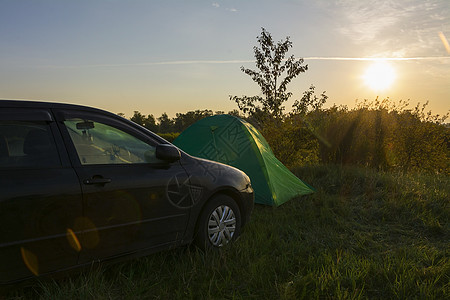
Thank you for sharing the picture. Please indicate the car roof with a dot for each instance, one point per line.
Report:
(59, 105)
(48, 105)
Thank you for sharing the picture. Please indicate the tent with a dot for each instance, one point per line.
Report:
(235, 142)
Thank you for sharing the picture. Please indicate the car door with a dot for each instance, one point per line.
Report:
(40, 196)
(126, 207)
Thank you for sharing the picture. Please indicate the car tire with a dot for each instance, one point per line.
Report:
(219, 223)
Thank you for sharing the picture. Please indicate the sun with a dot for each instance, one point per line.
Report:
(379, 76)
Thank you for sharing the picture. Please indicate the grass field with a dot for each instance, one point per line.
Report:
(363, 234)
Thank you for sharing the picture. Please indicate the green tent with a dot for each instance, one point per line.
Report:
(235, 142)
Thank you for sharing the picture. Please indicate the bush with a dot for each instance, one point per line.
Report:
(381, 135)
(170, 137)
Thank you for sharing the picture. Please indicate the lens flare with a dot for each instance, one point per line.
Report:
(30, 260)
(89, 237)
(73, 240)
(444, 41)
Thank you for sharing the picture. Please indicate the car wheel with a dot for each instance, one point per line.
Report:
(219, 223)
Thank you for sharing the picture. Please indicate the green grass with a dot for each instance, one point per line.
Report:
(363, 234)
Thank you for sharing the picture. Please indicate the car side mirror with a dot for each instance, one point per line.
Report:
(167, 152)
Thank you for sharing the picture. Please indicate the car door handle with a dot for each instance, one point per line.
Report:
(97, 180)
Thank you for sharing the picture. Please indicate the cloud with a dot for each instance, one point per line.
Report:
(440, 58)
(221, 62)
(145, 64)
(217, 5)
(400, 28)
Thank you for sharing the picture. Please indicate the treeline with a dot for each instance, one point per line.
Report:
(165, 125)
(380, 134)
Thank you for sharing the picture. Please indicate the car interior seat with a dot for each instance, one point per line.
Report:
(39, 149)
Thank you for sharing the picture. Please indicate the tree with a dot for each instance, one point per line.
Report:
(235, 113)
(138, 118)
(165, 123)
(309, 102)
(274, 74)
(148, 121)
(183, 121)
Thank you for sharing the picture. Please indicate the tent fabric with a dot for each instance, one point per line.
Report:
(235, 142)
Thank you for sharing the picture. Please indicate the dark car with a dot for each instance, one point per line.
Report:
(81, 185)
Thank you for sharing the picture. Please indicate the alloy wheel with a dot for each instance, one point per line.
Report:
(221, 225)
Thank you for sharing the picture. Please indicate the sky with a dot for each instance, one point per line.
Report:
(177, 56)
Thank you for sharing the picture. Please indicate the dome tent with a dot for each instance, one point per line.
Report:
(235, 142)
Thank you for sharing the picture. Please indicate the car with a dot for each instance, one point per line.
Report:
(80, 185)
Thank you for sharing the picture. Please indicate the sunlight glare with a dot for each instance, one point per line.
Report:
(379, 76)
(30, 260)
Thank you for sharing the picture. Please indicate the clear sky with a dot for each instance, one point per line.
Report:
(175, 56)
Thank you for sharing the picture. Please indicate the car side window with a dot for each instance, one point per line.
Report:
(27, 144)
(100, 143)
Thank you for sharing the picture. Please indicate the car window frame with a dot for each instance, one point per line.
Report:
(114, 121)
(38, 115)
